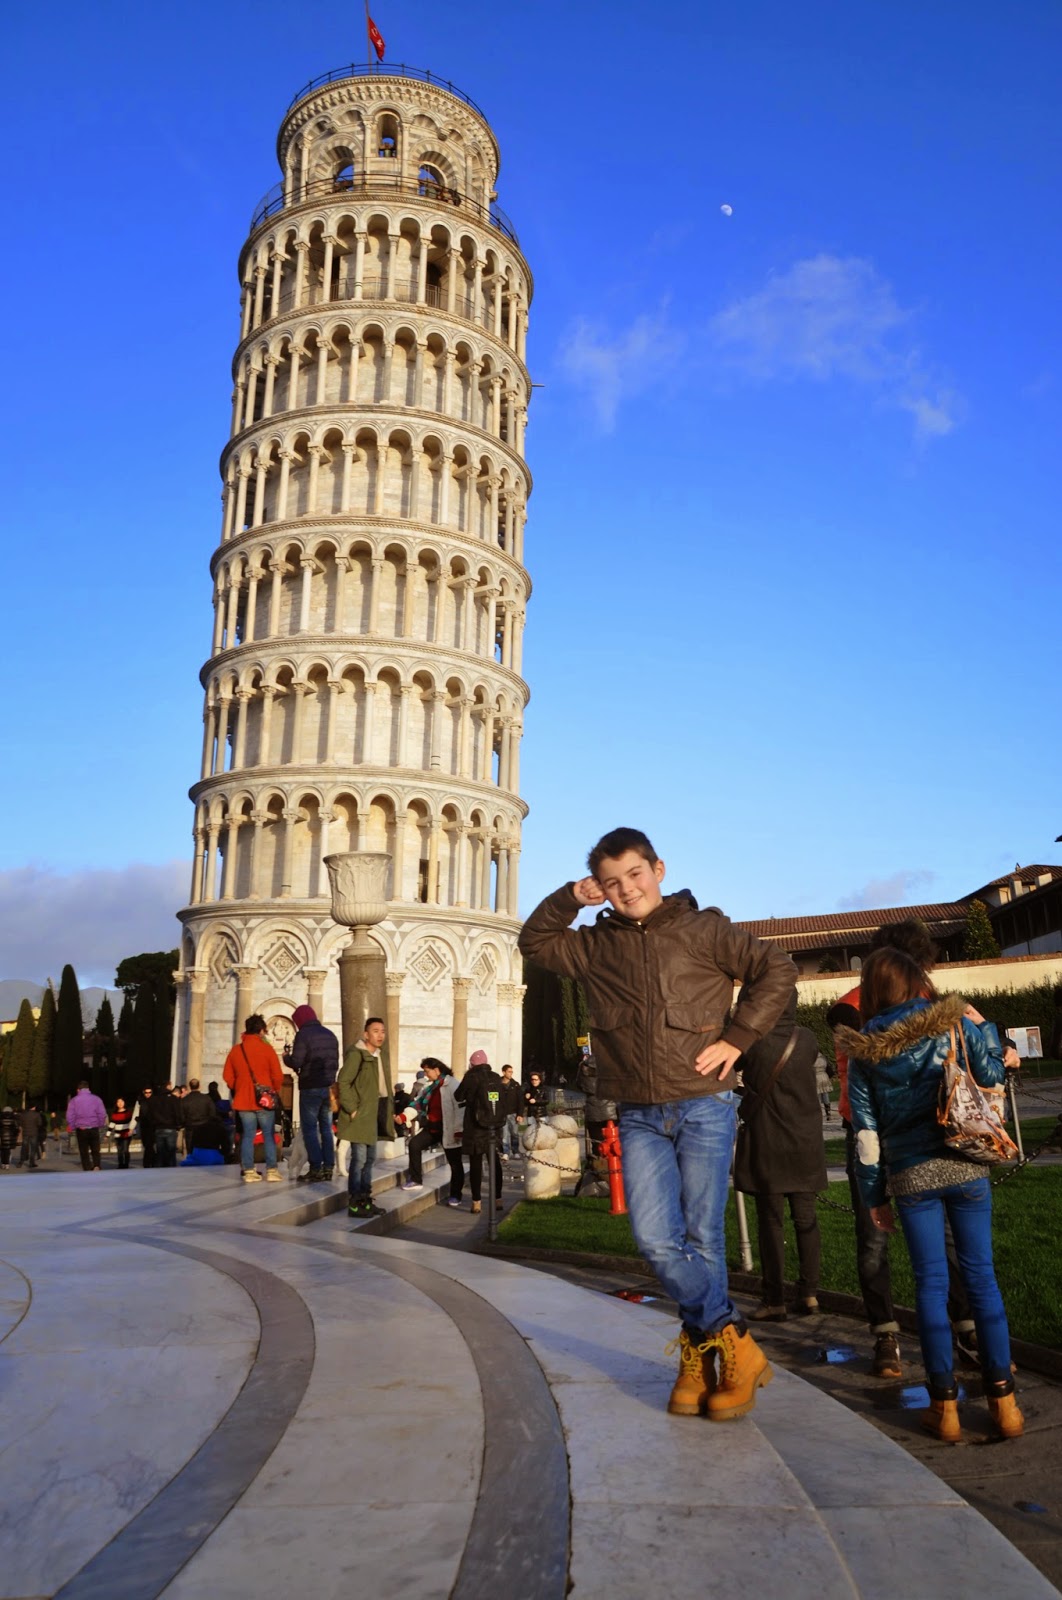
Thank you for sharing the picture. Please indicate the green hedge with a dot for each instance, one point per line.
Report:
(1031, 1007)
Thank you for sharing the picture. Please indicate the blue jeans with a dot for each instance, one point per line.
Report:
(315, 1114)
(166, 1146)
(968, 1207)
(249, 1121)
(359, 1178)
(676, 1172)
(511, 1136)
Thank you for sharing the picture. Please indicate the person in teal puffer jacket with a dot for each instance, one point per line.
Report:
(896, 1066)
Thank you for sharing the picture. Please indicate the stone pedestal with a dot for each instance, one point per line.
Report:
(358, 880)
(362, 990)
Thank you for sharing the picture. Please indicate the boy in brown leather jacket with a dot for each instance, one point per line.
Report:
(659, 977)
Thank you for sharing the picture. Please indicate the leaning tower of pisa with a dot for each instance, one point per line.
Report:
(363, 689)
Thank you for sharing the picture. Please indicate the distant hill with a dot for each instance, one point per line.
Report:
(12, 993)
(14, 990)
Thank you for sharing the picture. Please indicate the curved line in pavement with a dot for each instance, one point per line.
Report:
(151, 1549)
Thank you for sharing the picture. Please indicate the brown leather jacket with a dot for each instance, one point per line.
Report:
(661, 991)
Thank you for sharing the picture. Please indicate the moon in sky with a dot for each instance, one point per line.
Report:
(728, 211)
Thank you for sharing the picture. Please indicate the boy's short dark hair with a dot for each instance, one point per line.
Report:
(255, 1023)
(617, 843)
(911, 936)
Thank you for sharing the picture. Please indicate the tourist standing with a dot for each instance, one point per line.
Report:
(120, 1128)
(535, 1099)
(482, 1114)
(85, 1116)
(780, 1159)
(358, 1086)
(430, 1135)
(33, 1129)
(895, 1070)
(659, 976)
(453, 1117)
(166, 1121)
(9, 1131)
(314, 1059)
(223, 1113)
(250, 1067)
(197, 1117)
(512, 1104)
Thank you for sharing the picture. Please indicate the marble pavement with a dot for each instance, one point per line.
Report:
(203, 1391)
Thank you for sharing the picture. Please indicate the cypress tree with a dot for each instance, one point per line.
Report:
(142, 1042)
(68, 1065)
(40, 1072)
(128, 1087)
(979, 943)
(19, 1054)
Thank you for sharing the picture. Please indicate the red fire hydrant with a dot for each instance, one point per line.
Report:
(610, 1149)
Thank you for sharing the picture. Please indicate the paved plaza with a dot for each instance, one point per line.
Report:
(205, 1393)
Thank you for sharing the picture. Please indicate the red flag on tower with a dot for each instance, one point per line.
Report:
(376, 38)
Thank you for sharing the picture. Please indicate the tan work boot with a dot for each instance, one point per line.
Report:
(1003, 1409)
(942, 1420)
(695, 1376)
(743, 1368)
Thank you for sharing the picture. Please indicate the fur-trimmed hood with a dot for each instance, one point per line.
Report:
(926, 1022)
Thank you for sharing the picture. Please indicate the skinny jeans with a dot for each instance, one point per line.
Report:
(968, 1208)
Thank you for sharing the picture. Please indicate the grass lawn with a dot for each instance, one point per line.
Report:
(1028, 1209)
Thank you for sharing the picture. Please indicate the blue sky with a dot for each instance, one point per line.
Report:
(795, 523)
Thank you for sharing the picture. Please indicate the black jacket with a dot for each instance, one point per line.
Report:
(196, 1109)
(512, 1098)
(164, 1111)
(314, 1057)
(779, 1144)
(473, 1092)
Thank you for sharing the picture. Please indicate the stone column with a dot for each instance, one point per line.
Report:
(228, 879)
(459, 1030)
(393, 982)
(258, 819)
(197, 977)
(315, 982)
(265, 730)
(239, 757)
(252, 605)
(245, 976)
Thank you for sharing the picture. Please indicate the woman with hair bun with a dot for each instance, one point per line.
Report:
(895, 1070)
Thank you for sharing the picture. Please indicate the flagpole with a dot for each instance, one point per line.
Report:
(368, 34)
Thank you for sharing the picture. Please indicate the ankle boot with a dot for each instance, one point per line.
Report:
(942, 1418)
(743, 1368)
(695, 1374)
(1003, 1409)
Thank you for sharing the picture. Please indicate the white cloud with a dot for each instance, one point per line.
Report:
(90, 919)
(899, 889)
(832, 317)
(611, 368)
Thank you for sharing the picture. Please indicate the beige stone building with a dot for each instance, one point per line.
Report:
(364, 688)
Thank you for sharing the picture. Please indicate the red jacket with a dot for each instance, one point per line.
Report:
(251, 1061)
(844, 1108)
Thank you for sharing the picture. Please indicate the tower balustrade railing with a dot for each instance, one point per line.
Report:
(378, 288)
(283, 197)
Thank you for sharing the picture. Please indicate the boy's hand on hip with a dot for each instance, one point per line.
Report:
(588, 892)
(718, 1057)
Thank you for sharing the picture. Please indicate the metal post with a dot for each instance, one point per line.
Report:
(492, 1220)
(743, 1232)
(1014, 1114)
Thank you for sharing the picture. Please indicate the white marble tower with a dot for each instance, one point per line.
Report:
(363, 689)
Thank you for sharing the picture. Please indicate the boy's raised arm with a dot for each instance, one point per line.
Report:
(548, 937)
